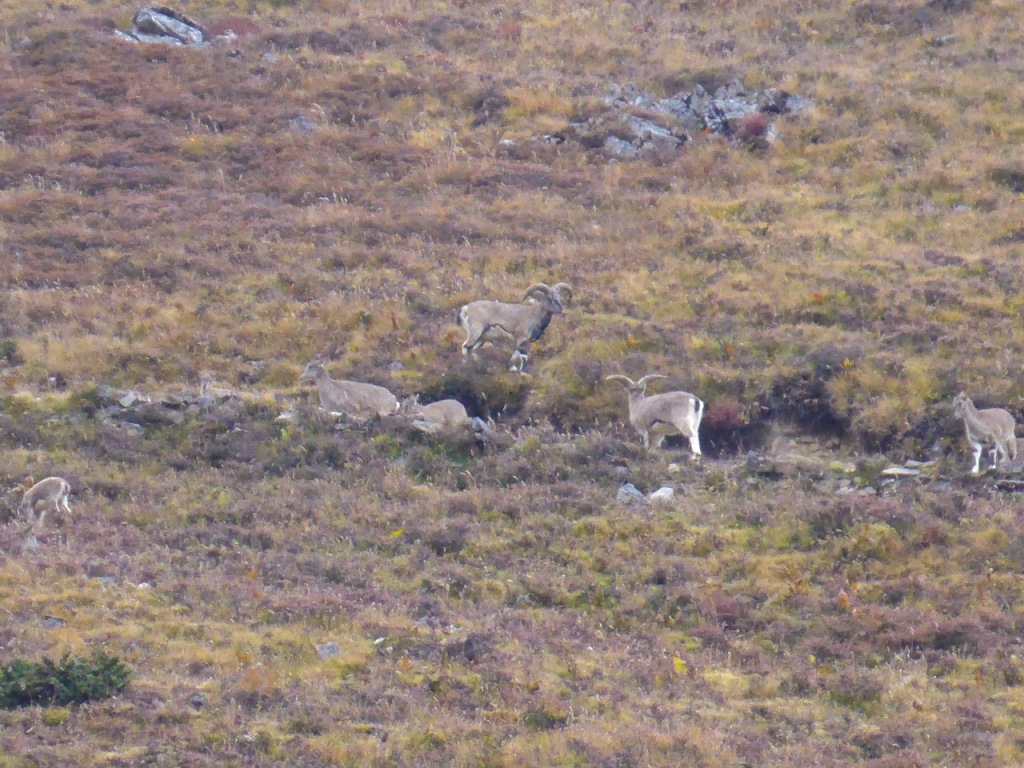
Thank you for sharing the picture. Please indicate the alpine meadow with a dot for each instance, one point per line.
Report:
(221, 221)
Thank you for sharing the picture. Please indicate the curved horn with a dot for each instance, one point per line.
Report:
(648, 377)
(623, 378)
(542, 287)
(562, 288)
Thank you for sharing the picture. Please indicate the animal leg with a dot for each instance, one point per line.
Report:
(695, 445)
(65, 505)
(1003, 453)
(977, 458)
(517, 363)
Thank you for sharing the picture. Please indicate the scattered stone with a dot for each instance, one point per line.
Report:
(842, 467)
(302, 124)
(663, 495)
(430, 622)
(149, 414)
(107, 581)
(53, 622)
(328, 650)
(133, 429)
(630, 496)
(900, 472)
(621, 148)
(107, 395)
(469, 650)
(130, 398)
(785, 465)
(173, 401)
(197, 700)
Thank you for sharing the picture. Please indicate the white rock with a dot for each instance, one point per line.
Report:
(663, 494)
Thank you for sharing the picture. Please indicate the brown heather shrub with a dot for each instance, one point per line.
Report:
(753, 127)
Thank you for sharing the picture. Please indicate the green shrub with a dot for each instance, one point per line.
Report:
(72, 681)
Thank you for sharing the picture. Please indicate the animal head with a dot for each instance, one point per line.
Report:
(961, 404)
(407, 406)
(313, 369)
(552, 297)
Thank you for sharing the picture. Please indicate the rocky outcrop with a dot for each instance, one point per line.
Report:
(643, 126)
(160, 24)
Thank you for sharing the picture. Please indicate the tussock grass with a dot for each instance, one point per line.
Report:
(162, 213)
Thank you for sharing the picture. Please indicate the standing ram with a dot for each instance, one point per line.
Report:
(524, 323)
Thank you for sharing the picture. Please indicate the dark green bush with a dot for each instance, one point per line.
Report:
(71, 681)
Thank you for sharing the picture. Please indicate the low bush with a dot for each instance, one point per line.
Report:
(70, 681)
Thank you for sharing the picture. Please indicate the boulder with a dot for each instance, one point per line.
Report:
(160, 24)
(630, 496)
(663, 495)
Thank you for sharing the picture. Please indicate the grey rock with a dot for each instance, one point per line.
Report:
(162, 25)
(900, 472)
(654, 138)
(206, 401)
(302, 124)
(132, 429)
(697, 109)
(107, 395)
(162, 22)
(795, 104)
(155, 414)
(621, 147)
(53, 622)
(197, 700)
(663, 495)
(630, 496)
(328, 650)
(129, 399)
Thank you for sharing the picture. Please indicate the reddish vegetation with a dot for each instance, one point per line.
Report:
(338, 180)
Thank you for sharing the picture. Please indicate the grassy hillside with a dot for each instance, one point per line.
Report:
(338, 180)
